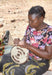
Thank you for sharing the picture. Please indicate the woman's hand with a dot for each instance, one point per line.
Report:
(22, 43)
(16, 41)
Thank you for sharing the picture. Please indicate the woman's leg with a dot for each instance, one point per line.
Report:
(28, 68)
(44, 65)
(14, 69)
(6, 58)
(37, 68)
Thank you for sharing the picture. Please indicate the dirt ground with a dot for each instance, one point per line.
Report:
(14, 15)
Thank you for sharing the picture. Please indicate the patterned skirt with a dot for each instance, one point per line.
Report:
(31, 67)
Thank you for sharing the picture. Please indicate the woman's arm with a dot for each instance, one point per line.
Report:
(47, 53)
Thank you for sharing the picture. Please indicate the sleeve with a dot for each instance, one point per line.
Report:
(49, 39)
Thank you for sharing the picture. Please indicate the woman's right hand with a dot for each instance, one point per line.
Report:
(16, 41)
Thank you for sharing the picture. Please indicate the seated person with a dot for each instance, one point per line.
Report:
(38, 40)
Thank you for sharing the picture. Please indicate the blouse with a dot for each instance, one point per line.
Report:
(38, 39)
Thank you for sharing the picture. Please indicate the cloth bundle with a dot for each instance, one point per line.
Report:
(3, 42)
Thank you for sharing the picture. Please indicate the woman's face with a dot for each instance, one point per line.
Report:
(34, 20)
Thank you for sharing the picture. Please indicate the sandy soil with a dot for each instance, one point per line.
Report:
(14, 15)
(17, 12)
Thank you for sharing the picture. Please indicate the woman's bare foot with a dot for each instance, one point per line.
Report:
(50, 68)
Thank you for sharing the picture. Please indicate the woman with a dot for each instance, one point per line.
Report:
(38, 40)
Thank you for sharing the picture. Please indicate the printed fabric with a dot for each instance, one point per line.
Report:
(38, 39)
(1, 47)
(4, 42)
(29, 68)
